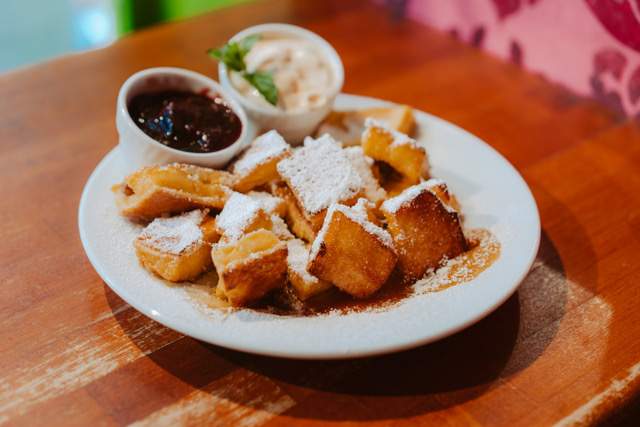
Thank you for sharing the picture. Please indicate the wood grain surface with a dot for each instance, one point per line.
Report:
(564, 349)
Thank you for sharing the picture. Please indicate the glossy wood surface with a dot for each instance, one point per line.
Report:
(564, 349)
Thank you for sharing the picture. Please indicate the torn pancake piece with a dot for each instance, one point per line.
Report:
(305, 284)
(347, 126)
(425, 227)
(256, 166)
(241, 214)
(250, 267)
(297, 222)
(396, 149)
(155, 191)
(352, 252)
(272, 204)
(177, 248)
(319, 174)
(364, 167)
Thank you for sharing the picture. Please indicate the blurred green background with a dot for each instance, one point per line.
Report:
(35, 30)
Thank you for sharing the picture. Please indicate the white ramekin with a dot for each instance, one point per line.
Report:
(292, 126)
(138, 149)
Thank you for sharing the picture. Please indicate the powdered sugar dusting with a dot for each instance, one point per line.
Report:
(269, 202)
(399, 138)
(322, 139)
(393, 204)
(250, 257)
(362, 164)
(356, 214)
(320, 236)
(432, 183)
(465, 267)
(280, 228)
(438, 188)
(237, 214)
(320, 174)
(363, 206)
(264, 148)
(297, 260)
(176, 234)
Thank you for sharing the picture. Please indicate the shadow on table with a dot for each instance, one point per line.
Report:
(431, 377)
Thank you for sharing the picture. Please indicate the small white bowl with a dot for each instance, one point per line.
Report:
(293, 126)
(139, 149)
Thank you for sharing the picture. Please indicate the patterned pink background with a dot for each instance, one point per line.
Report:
(590, 46)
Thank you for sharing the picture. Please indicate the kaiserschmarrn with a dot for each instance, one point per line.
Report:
(160, 190)
(303, 223)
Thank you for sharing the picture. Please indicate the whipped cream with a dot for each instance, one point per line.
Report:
(301, 72)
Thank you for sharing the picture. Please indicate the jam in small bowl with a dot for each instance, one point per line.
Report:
(174, 115)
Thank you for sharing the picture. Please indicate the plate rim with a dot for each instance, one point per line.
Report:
(381, 348)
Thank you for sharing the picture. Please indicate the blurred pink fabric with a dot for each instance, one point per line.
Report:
(590, 46)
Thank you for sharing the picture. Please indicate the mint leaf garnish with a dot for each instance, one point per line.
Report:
(247, 43)
(232, 55)
(263, 82)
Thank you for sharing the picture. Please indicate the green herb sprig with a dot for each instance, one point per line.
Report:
(232, 55)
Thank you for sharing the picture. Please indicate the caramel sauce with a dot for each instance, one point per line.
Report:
(484, 250)
(286, 303)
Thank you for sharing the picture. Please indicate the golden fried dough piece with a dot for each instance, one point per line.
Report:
(425, 228)
(364, 167)
(272, 204)
(439, 188)
(369, 210)
(347, 126)
(319, 174)
(241, 214)
(280, 228)
(296, 220)
(250, 267)
(256, 166)
(394, 148)
(245, 213)
(351, 252)
(393, 186)
(209, 230)
(391, 181)
(159, 190)
(305, 284)
(177, 248)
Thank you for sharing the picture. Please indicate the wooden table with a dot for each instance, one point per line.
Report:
(564, 349)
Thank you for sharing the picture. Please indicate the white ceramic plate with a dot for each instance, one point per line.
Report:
(492, 194)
